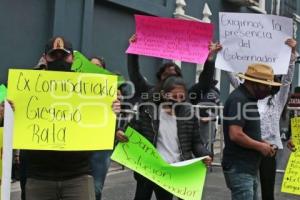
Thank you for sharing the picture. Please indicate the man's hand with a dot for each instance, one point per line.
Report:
(291, 43)
(208, 161)
(11, 104)
(291, 146)
(266, 149)
(2, 108)
(213, 48)
(116, 106)
(132, 39)
(17, 159)
(121, 137)
(1, 111)
(205, 119)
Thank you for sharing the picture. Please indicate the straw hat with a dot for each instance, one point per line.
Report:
(260, 73)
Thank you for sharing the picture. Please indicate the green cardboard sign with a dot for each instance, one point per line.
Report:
(82, 64)
(185, 180)
(3, 92)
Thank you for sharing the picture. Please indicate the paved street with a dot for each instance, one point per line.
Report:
(121, 185)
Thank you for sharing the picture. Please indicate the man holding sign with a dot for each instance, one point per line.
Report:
(244, 146)
(270, 111)
(60, 174)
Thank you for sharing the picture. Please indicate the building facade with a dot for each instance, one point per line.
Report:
(103, 27)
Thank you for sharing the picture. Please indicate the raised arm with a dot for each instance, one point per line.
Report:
(133, 67)
(206, 77)
(282, 96)
(204, 81)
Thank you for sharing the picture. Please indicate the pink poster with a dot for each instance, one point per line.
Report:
(174, 39)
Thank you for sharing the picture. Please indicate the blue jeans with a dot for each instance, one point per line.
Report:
(243, 186)
(100, 161)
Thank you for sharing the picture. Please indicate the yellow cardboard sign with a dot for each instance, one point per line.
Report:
(295, 125)
(62, 110)
(291, 179)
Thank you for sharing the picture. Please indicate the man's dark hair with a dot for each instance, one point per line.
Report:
(166, 66)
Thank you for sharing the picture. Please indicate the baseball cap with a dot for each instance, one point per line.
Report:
(58, 44)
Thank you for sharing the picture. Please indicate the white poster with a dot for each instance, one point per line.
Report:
(7, 151)
(254, 38)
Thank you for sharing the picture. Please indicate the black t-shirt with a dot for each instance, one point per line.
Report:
(241, 109)
(56, 165)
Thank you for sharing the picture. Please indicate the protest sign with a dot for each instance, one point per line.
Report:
(171, 38)
(295, 125)
(185, 179)
(7, 151)
(62, 110)
(291, 179)
(254, 38)
(82, 64)
(3, 92)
